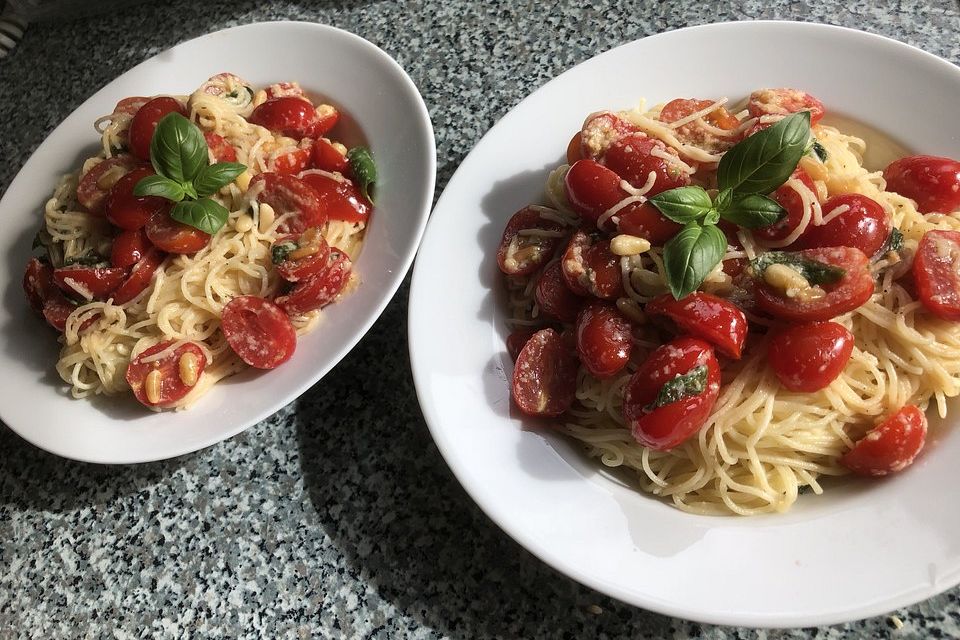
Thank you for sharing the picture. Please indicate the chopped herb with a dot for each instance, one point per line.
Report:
(280, 251)
(814, 271)
(689, 384)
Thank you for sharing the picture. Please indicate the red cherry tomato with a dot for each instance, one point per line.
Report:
(851, 291)
(590, 268)
(100, 282)
(290, 195)
(130, 105)
(283, 89)
(930, 181)
(604, 340)
(646, 221)
(864, 225)
(128, 211)
(172, 386)
(516, 341)
(290, 115)
(554, 296)
(696, 134)
(128, 248)
(258, 331)
(889, 447)
(222, 150)
(520, 253)
(95, 184)
(592, 189)
(631, 157)
(291, 162)
(936, 274)
(545, 376)
(600, 130)
(145, 123)
(706, 316)
(315, 253)
(38, 283)
(327, 119)
(574, 148)
(663, 428)
(339, 197)
(808, 357)
(172, 236)
(326, 157)
(790, 200)
(140, 276)
(784, 102)
(319, 289)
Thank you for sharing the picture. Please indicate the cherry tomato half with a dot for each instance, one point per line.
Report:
(864, 225)
(293, 161)
(789, 199)
(145, 123)
(326, 157)
(891, 446)
(99, 282)
(808, 357)
(631, 157)
(327, 119)
(592, 189)
(590, 268)
(545, 375)
(600, 130)
(516, 341)
(523, 249)
(38, 283)
(645, 221)
(321, 288)
(173, 236)
(339, 197)
(218, 146)
(128, 248)
(706, 316)
(96, 183)
(171, 385)
(554, 297)
(930, 181)
(574, 148)
(663, 428)
(140, 276)
(696, 134)
(784, 102)
(308, 257)
(289, 194)
(936, 273)
(604, 340)
(291, 116)
(258, 331)
(128, 211)
(130, 105)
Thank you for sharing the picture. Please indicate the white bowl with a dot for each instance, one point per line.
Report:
(375, 95)
(863, 548)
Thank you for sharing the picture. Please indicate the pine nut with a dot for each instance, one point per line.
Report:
(627, 245)
(303, 252)
(243, 224)
(814, 168)
(784, 278)
(267, 216)
(189, 369)
(243, 181)
(152, 386)
(341, 149)
(259, 98)
(110, 177)
(324, 110)
(632, 310)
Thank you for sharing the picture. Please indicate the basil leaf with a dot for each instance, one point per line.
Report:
(160, 187)
(364, 169)
(691, 255)
(819, 150)
(178, 149)
(764, 161)
(754, 211)
(85, 260)
(689, 384)
(894, 242)
(814, 271)
(712, 217)
(205, 214)
(723, 200)
(212, 177)
(280, 251)
(683, 204)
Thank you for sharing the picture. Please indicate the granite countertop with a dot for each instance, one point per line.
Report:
(337, 516)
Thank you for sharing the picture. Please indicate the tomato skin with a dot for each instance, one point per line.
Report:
(693, 132)
(99, 281)
(784, 102)
(512, 243)
(592, 189)
(668, 426)
(545, 375)
(130, 105)
(604, 340)
(516, 341)
(339, 198)
(140, 276)
(172, 387)
(808, 357)
(590, 268)
(851, 291)
(258, 331)
(38, 283)
(128, 211)
(932, 182)
(89, 193)
(222, 150)
(630, 158)
(326, 157)
(554, 297)
(289, 194)
(292, 162)
(935, 274)
(645, 221)
(291, 116)
(705, 316)
(319, 289)
(128, 248)
(145, 123)
(327, 118)
(173, 236)
(864, 226)
(891, 446)
(574, 148)
(790, 200)
(296, 269)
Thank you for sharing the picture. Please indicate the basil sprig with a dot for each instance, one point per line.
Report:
(178, 153)
(749, 170)
(689, 384)
(364, 170)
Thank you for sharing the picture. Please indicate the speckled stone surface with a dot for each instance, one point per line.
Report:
(337, 517)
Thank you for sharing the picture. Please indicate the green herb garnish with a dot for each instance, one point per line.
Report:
(814, 271)
(364, 170)
(85, 260)
(894, 242)
(689, 384)
(280, 251)
(819, 150)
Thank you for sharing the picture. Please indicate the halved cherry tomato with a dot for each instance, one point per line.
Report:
(100, 282)
(663, 428)
(258, 331)
(289, 194)
(339, 197)
(706, 316)
(222, 150)
(545, 376)
(891, 446)
(864, 225)
(790, 200)
(171, 387)
(522, 248)
(516, 340)
(292, 116)
(695, 133)
(604, 340)
(851, 291)
(592, 189)
(326, 157)
(140, 276)
(130, 105)
(784, 102)
(57, 309)
(319, 289)
(932, 182)
(128, 211)
(96, 183)
(307, 259)
(554, 296)
(574, 149)
(631, 157)
(293, 161)
(936, 273)
(645, 221)
(145, 123)
(327, 119)
(600, 130)
(808, 357)
(38, 283)
(590, 268)
(173, 236)
(283, 89)
(128, 248)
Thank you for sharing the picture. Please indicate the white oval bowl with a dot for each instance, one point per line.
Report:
(861, 549)
(376, 97)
